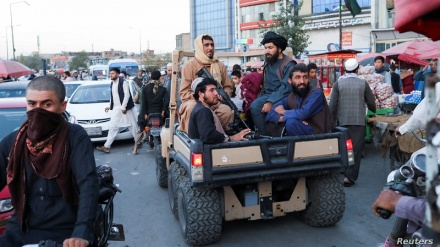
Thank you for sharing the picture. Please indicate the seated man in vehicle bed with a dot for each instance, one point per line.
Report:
(204, 123)
(304, 111)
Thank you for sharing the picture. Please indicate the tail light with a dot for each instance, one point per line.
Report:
(350, 153)
(196, 159)
(349, 145)
(155, 122)
(196, 167)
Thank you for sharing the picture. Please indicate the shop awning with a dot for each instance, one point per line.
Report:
(381, 35)
(411, 59)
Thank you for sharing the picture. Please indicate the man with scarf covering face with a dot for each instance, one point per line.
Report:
(347, 109)
(204, 57)
(275, 76)
(51, 173)
(305, 110)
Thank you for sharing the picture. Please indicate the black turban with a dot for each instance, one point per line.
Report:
(276, 39)
(155, 75)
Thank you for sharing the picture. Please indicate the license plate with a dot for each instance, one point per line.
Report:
(155, 131)
(94, 131)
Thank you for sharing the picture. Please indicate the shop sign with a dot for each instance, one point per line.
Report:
(347, 38)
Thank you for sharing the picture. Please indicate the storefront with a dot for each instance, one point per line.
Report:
(330, 64)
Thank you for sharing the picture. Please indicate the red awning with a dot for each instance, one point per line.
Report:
(418, 16)
(416, 48)
(411, 59)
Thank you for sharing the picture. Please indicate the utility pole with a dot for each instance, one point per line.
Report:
(38, 43)
(340, 25)
(12, 27)
(7, 47)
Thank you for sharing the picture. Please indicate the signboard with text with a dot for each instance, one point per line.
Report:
(347, 38)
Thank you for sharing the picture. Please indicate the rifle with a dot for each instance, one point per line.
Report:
(235, 126)
(238, 124)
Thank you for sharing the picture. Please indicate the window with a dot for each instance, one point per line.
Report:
(321, 6)
(261, 17)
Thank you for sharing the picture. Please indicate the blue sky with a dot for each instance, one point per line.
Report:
(75, 25)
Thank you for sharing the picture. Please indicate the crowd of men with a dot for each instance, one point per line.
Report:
(55, 188)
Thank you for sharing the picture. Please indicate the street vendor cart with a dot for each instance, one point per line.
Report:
(399, 149)
(330, 64)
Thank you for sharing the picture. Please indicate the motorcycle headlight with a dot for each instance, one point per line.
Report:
(390, 177)
(6, 205)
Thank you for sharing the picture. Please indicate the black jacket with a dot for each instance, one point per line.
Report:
(49, 216)
(130, 103)
(202, 125)
(154, 102)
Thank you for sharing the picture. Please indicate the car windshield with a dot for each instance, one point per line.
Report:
(91, 94)
(132, 70)
(70, 88)
(10, 93)
(11, 119)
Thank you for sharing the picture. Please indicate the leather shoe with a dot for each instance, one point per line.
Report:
(103, 149)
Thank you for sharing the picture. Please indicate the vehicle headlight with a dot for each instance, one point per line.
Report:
(6, 205)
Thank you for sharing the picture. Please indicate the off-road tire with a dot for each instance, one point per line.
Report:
(161, 167)
(200, 214)
(156, 141)
(175, 175)
(327, 200)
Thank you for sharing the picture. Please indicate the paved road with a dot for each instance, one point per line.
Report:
(143, 209)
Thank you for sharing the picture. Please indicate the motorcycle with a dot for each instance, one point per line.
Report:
(153, 129)
(408, 180)
(105, 229)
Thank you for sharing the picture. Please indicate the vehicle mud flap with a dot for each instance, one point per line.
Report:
(266, 207)
(200, 213)
(326, 200)
(175, 175)
(161, 167)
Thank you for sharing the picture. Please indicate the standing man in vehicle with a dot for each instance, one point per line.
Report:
(50, 169)
(276, 74)
(204, 123)
(347, 108)
(122, 105)
(204, 57)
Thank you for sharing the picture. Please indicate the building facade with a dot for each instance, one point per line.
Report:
(216, 18)
(238, 25)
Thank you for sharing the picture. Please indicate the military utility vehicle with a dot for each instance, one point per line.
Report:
(256, 179)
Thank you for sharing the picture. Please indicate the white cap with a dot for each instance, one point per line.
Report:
(195, 83)
(351, 64)
(169, 64)
(75, 71)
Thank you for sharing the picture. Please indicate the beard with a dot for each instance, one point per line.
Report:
(301, 92)
(273, 58)
(210, 102)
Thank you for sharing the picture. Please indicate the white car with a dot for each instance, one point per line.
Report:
(71, 86)
(88, 104)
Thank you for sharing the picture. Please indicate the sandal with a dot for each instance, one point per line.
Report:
(348, 182)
